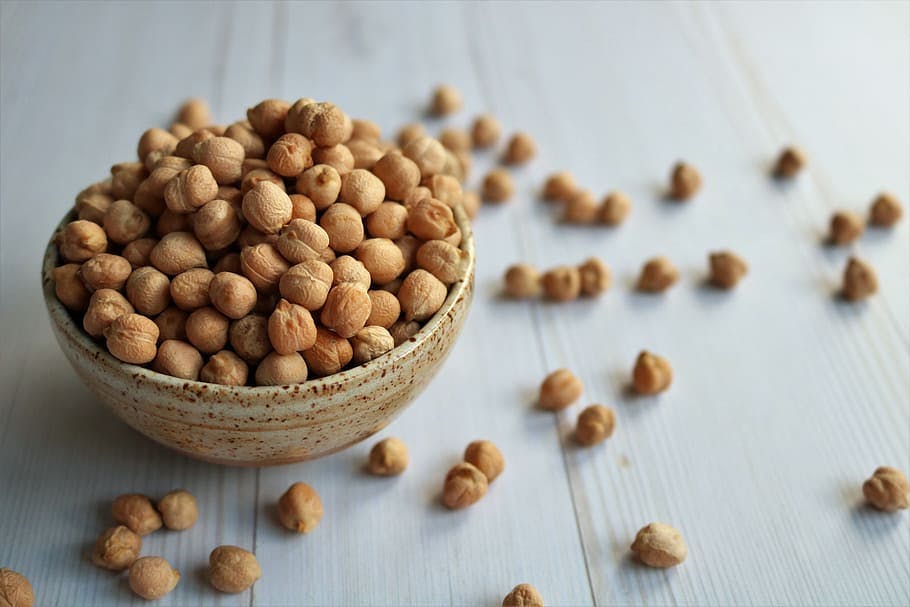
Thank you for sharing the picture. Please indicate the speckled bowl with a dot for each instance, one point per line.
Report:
(264, 426)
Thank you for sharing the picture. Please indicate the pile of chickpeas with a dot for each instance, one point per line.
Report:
(288, 245)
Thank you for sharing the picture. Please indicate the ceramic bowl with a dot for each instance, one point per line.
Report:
(262, 426)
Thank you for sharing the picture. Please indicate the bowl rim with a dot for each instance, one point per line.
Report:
(61, 316)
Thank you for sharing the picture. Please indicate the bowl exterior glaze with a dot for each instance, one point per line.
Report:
(261, 426)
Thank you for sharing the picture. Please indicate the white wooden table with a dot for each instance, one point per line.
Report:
(785, 399)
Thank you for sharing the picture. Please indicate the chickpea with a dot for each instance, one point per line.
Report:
(300, 508)
(659, 545)
(404, 330)
(362, 190)
(303, 208)
(207, 329)
(443, 260)
(124, 222)
(560, 186)
(125, 179)
(416, 195)
(381, 258)
(323, 123)
(178, 252)
(179, 130)
(301, 240)
(366, 130)
(339, 157)
(430, 219)
(344, 226)
(330, 354)
(371, 342)
(485, 131)
(427, 153)
(581, 208)
(105, 271)
(727, 269)
(887, 489)
(249, 337)
(657, 275)
(290, 155)
(321, 183)
(885, 211)
(346, 309)
(169, 222)
(228, 263)
(152, 577)
(252, 144)
(520, 149)
(267, 117)
(498, 186)
(171, 324)
(136, 512)
(562, 283)
(116, 549)
(250, 237)
(264, 266)
(15, 589)
(69, 288)
(216, 225)
(652, 374)
(408, 246)
(685, 181)
(190, 289)
(233, 569)
(190, 189)
(365, 153)
(846, 227)
(615, 208)
(446, 189)
(790, 162)
(178, 510)
(307, 284)
(559, 389)
(105, 306)
(267, 208)
(81, 240)
(186, 145)
(256, 176)
(384, 309)
(223, 156)
(281, 369)
(595, 277)
(446, 100)
(455, 140)
(388, 221)
(409, 133)
(860, 280)
(464, 485)
(148, 290)
(523, 595)
(92, 207)
(178, 359)
(132, 338)
(398, 173)
(232, 294)
(155, 140)
(486, 457)
(138, 252)
(595, 425)
(194, 113)
(291, 328)
(522, 281)
(225, 368)
(388, 457)
(421, 295)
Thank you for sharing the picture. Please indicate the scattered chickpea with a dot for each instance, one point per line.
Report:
(15, 589)
(300, 508)
(178, 359)
(421, 295)
(267, 117)
(431, 219)
(887, 489)
(685, 181)
(225, 368)
(249, 337)
(178, 252)
(339, 157)
(595, 277)
(267, 207)
(264, 266)
(615, 208)
(69, 288)
(306, 284)
(464, 485)
(581, 208)
(446, 100)
(455, 140)
(232, 295)
(562, 283)
(381, 258)
(845, 227)
(523, 595)
(291, 328)
(371, 342)
(521, 281)
(485, 131)
(346, 309)
(139, 251)
(344, 226)
(409, 133)
(152, 577)
(790, 162)
(281, 369)
(329, 354)
(81, 240)
(223, 156)
(860, 280)
(148, 290)
(427, 153)
(560, 186)
(172, 324)
(727, 269)
(520, 149)
(290, 155)
(116, 549)
(190, 189)
(388, 457)
(194, 113)
(652, 374)
(486, 457)
(178, 510)
(443, 260)
(657, 275)
(497, 186)
(559, 389)
(233, 569)
(885, 210)
(136, 512)
(659, 545)
(595, 425)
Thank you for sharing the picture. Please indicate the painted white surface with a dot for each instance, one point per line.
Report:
(785, 399)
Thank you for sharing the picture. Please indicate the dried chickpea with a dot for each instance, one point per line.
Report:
(339, 157)
(171, 324)
(178, 510)
(790, 162)
(443, 260)
(256, 176)
(416, 195)
(291, 328)
(301, 240)
(105, 271)
(194, 113)
(264, 266)
(281, 369)
(178, 359)
(497, 186)
(92, 207)
(190, 289)
(253, 164)
(860, 280)
(307, 284)
(403, 330)
(427, 153)
(562, 283)
(155, 140)
(485, 131)
(371, 342)
(321, 183)
(223, 156)
(523, 595)
(148, 290)
(267, 117)
(233, 569)
(105, 306)
(15, 589)
(139, 251)
(456, 140)
(615, 208)
(381, 258)
(581, 208)
(520, 149)
(365, 153)
(179, 130)
(727, 269)
(186, 145)
(388, 457)
(398, 173)
(431, 219)
(117, 548)
(446, 189)
(303, 207)
(190, 189)
(384, 309)
(329, 354)
(363, 191)
(124, 222)
(228, 263)
(300, 508)
(252, 144)
(250, 237)
(885, 210)
(99, 187)
(595, 425)
(446, 100)
(685, 181)
(267, 207)
(845, 227)
(366, 130)
(559, 389)
(595, 277)
(408, 246)
(323, 123)
(887, 489)
(232, 294)
(136, 512)
(388, 221)
(521, 281)
(421, 295)
(125, 179)
(346, 309)
(152, 577)
(652, 374)
(170, 221)
(344, 226)
(81, 240)
(178, 252)
(560, 186)
(216, 225)
(249, 337)
(470, 201)
(207, 329)
(464, 485)
(657, 275)
(290, 155)
(409, 133)
(486, 457)
(69, 288)
(225, 368)
(659, 545)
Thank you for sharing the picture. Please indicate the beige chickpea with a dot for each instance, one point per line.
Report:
(845, 227)
(267, 117)
(416, 195)
(382, 259)
(408, 246)
(371, 342)
(190, 289)
(365, 153)
(388, 457)
(15, 589)
(194, 113)
(454, 139)
(344, 226)
(105, 306)
(81, 240)
(562, 283)
(595, 277)
(559, 389)
(190, 189)
(727, 269)
(256, 176)
(290, 155)
(885, 210)
(178, 510)
(264, 266)
(116, 548)
(252, 144)
(409, 133)
(485, 131)
(323, 123)
(253, 164)
(464, 485)
(348, 269)
(155, 140)
(685, 181)
(178, 252)
(225, 368)
(657, 275)
(152, 577)
(403, 330)
(105, 271)
(170, 221)
(233, 569)
(523, 595)
(659, 545)
(301, 240)
(125, 179)
(560, 186)
(860, 280)
(207, 329)
(172, 324)
(69, 288)
(216, 225)
(652, 374)
(307, 284)
(427, 153)
(93, 206)
(520, 149)
(446, 100)
(291, 328)
(250, 237)
(595, 424)
(446, 189)
(497, 186)
(614, 208)
(186, 145)
(148, 290)
(139, 251)
(136, 512)
(384, 309)
(346, 309)
(281, 369)
(223, 156)
(465, 163)
(99, 187)
(362, 190)
(581, 208)
(321, 183)
(366, 130)
(421, 295)
(486, 457)
(388, 221)
(303, 207)
(330, 354)
(300, 508)
(398, 173)
(249, 337)
(443, 260)
(229, 263)
(339, 157)
(887, 489)
(431, 219)
(178, 359)
(521, 281)
(232, 294)
(267, 207)
(790, 162)
(124, 222)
